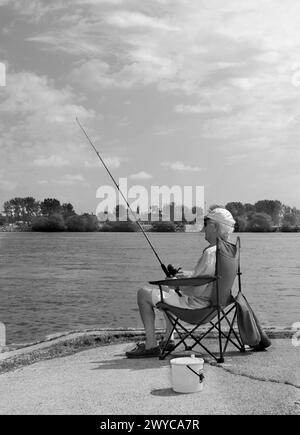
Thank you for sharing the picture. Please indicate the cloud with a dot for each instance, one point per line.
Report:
(201, 108)
(165, 131)
(141, 176)
(111, 162)
(52, 161)
(179, 166)
(174, 46)
(71, 179)
(145, 69)
(66, 180)
(35, 10)
(127, 19)
(37, 116)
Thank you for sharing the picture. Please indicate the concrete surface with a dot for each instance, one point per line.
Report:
(103, 381)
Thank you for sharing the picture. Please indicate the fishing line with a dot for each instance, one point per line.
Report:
(170, 270)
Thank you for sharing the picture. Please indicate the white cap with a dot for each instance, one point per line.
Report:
(222, 216)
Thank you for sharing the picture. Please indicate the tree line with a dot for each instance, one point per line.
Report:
(265, 215)
(47, 215)
(51, 215)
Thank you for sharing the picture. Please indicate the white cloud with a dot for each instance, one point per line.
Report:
(179, 166)
(52, 161)
(70, 179)
(140, 176)
(66, 180)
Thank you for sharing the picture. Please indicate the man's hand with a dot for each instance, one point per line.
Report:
(173, 270)
(184, 274)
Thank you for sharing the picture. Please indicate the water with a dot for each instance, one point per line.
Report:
(56, 282)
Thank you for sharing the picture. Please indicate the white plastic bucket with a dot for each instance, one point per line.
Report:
(187, 374)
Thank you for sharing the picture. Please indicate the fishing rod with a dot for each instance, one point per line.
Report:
(169, 271)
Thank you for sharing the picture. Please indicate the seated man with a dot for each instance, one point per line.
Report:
(218, 223)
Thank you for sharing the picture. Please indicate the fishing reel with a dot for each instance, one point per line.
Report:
(173, 270)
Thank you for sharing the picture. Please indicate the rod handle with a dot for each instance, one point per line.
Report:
(169, 275)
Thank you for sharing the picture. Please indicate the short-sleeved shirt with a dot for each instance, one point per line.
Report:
(201, 298)
(206, 265)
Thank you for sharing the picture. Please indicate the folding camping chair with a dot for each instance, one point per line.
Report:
(222, 304)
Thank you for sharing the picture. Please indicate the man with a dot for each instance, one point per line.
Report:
(217, 223)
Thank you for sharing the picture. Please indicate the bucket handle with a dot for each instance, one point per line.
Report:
(200, 374)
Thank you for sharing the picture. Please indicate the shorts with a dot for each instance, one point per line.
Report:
(170, 297)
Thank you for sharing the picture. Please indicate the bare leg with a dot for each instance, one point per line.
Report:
(145, 304)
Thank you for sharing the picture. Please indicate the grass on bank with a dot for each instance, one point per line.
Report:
(64, 348)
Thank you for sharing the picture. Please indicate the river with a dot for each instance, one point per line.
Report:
(51, 283)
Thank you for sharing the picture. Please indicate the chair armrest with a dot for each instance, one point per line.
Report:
(185, 282)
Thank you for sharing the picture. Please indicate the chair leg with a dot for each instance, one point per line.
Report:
(220, 359)
(240, 345)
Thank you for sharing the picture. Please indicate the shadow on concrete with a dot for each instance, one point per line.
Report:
(120, 362)
(164, 392)
(131, 364)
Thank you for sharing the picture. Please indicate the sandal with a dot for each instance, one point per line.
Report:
(140, 351)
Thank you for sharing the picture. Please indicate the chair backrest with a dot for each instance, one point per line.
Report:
(227, 264)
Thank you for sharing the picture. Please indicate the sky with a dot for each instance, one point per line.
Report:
(171, 92)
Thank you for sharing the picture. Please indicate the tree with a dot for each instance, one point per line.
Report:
(31, 208)
(270, 207)
(21, 209)
(235, 208)
(67, 210)
(120, 227)
(51, 223)
(13, 209)
(163, 227)
(75, 223)
(249, 208)
(289, 219)
(50, 206)
(3, 220)
(260, 222)
(91, 222)
(9, 211)
(40, 223)
(240, 224)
